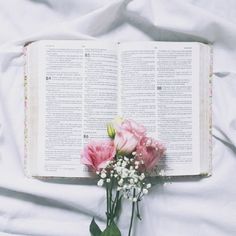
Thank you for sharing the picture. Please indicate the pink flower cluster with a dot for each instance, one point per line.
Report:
(98, 154)
(130, 139)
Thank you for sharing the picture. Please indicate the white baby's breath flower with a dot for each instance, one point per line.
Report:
(130, 186)
(108, 180)
(121, 181)
(138, 189)
(125, 186)
(162, 173)
(124, 164)
(118, 169)
(131, 181)
(145, 191)
(100, 182)
(134, 199)
(103, 175)
(149, 185)
(132, 173)
(124, 175)
(142, 176)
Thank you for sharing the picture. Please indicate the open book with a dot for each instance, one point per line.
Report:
(73, 88)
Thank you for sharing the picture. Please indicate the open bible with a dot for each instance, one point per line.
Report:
(74, 88)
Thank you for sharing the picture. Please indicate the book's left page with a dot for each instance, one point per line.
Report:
(71, 89)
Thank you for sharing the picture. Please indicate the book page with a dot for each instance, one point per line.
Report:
(160, 89)
(206, 108)
(77, 97)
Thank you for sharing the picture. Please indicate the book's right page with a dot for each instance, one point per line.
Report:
(160, 87)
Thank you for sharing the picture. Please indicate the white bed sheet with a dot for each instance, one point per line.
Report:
(187, 206)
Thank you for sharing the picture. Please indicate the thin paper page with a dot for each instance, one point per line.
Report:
(160, 88)
(77, 97)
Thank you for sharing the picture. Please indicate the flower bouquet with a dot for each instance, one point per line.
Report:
(122, 164)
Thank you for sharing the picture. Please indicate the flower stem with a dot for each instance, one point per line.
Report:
(111, 216)
(114, 206)
(110, 203)
(132, 215)
(137, 204)
(138, 212)
(109, 197)
(107, 193)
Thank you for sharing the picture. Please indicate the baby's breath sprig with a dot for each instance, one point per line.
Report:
(124, 176)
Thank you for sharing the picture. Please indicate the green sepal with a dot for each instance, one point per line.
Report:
(94, 229)
(111, 130)
(111, 230)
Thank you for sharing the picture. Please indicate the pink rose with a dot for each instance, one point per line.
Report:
(131, 126)
(128, 135)
(150, 152)
(97, 154)
(125, 142)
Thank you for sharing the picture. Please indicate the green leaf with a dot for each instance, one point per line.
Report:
(111, 230)
(94, 229)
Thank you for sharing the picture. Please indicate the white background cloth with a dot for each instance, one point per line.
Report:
(187, 206)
